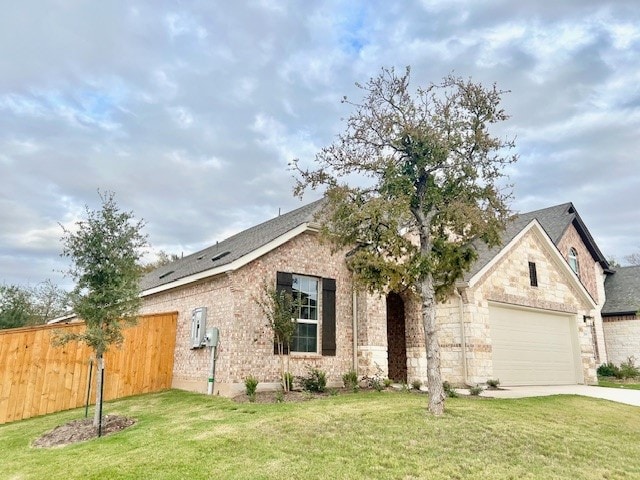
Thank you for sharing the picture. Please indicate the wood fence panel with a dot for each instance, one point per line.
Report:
(37, 377)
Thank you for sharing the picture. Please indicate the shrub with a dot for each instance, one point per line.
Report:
(449, 390)
(475, 391)
(493, 383)
(314, 381)
(250, 385)
(350, 380)
(279, 396)
(387, 382)
(628, 369)
(608, 370)
(416, 384)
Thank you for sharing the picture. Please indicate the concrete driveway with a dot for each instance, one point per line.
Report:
(620, 395)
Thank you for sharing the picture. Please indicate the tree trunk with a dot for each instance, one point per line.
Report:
(434, 379)
(99, 376)
(285, 386)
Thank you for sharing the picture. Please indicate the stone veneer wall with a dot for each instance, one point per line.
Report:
(246, 343)
(622, 335)
(508, 282)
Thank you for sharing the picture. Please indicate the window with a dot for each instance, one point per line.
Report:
(309, 292)
(533, 274)
(305, 297)
(573, 261)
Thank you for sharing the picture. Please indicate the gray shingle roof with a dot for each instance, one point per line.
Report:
(622, 291)
(230, 249)
(554, 220)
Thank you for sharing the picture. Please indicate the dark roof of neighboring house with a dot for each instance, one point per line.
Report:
(230, 249)
(622, 291)
(554, 220)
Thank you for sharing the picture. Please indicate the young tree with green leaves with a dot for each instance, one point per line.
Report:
(104, 249)
(412, 181)
(278, 307)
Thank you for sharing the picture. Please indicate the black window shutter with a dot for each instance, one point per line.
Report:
(284, 282)
(328, 316)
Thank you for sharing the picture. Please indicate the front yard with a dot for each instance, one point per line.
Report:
(366, 435)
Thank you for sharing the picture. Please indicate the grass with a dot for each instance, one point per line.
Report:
(364, 435)
(613, 383)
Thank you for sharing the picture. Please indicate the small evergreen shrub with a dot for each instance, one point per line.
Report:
(250, 385)
(314, 381)
(416, 384)
(350, 380)
(475, 391)
(387, 382)
(493, 383)
(279, 396)
(608, 370)
(449, 390)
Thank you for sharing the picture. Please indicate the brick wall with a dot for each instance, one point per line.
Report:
(587, 265)
(246, 342)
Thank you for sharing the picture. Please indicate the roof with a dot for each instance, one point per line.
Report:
(212, 260)
(231, 249)
(622, 291)
(554, 220)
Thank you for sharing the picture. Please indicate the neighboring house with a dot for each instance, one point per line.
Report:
(527, 313)
(620, 314)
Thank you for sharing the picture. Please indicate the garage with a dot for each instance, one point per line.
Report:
(533, 347)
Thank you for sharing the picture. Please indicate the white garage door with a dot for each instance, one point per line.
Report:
(532, 347)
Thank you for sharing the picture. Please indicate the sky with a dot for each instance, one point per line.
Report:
(191, 111)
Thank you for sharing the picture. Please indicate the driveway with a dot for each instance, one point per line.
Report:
(620, 395)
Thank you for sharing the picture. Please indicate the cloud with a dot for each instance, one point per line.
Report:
(191, 112)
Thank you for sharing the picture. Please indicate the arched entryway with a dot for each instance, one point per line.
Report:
(396, 338)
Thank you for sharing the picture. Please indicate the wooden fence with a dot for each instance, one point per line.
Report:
(37, 377)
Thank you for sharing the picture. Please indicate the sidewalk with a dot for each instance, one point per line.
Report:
(620, 395)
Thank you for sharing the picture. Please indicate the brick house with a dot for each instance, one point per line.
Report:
(620, 314)
(527, 313)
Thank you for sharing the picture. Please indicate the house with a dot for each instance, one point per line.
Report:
(529, 311)
(620, 314)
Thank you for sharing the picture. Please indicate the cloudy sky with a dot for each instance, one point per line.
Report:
(191, 110)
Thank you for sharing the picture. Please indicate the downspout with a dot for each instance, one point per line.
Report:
(354, 314)
(463, 339)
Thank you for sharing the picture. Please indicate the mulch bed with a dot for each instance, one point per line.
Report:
(81, 430)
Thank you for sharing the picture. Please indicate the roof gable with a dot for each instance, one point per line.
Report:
(231, 253)
(535, 228)
(554, 221)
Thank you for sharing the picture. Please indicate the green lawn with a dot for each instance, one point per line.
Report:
(368, 435)
(612, 383)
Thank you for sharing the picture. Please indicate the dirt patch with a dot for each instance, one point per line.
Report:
(289, 397)
(81, 430)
